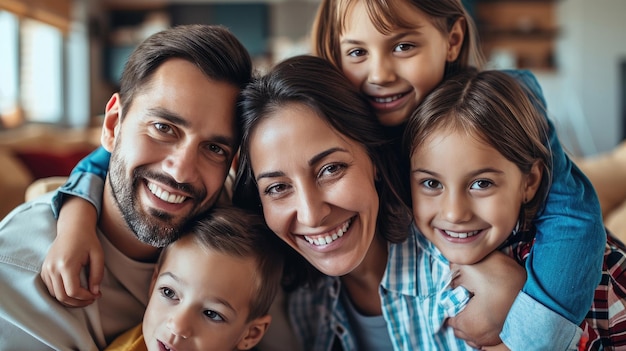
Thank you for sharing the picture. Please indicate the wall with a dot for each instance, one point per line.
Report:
(585, 94)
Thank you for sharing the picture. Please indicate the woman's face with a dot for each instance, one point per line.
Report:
(316, 187)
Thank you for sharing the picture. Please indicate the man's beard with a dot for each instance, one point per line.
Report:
(156, 228)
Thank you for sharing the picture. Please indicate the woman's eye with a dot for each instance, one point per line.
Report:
(163, 128)
(213, 316)
(403, 47)
(431, 184)
(481, 184)
(167, 292)
(276, 189)
(331, 169)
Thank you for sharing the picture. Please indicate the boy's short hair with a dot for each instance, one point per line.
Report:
(236, 232)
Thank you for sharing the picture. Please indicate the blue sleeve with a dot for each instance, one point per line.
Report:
(548, 330)
(565, 263)
(85, 181)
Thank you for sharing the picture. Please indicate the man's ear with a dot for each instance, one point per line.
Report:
(455, 39)
(112, 122)
(253, 335)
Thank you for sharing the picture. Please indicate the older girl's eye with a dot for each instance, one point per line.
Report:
(481, 184)
(163, 128)
(403, 47)
(356, 52)
(214, 316)
(431, 184)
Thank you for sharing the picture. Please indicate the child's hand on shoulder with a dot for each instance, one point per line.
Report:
(75, 247)
(494, 282)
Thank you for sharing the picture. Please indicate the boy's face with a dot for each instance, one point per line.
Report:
(200, 300)
(466, 195)
(398, 69)
(172, 151)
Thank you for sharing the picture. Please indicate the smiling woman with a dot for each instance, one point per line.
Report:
(333, 196)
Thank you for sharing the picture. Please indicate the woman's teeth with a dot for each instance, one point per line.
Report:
(329, 238)
(164, 195)
(461, 235)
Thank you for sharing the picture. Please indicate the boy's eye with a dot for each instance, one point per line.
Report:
(213, 316)
(167, 292)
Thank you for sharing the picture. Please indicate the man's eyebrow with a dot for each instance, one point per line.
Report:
(179, 121)
(169, 116)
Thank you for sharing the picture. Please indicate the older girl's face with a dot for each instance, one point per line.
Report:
(316, 187)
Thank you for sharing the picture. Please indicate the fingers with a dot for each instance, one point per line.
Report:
(64, 285)
(96, 271)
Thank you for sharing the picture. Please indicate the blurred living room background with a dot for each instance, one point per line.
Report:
(61, 61)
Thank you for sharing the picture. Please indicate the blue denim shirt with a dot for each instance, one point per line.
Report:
(564, 266)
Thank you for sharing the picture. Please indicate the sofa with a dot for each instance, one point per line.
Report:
(33, 152)
(607, 173)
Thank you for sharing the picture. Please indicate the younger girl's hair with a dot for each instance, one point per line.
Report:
(492, 107)
(387, 16)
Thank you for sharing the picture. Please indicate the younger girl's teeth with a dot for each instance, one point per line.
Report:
(461, 235)
(324, 240)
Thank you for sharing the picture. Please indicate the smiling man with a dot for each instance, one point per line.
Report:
(172, 133)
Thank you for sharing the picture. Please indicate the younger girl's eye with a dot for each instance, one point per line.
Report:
(213, 316)
(431, 184)
(481, 184)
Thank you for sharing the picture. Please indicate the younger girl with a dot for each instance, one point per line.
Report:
(480, 172)
(396, 52)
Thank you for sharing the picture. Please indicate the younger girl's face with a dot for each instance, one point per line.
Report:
(317, 188)
(396, 70)
(466, 195)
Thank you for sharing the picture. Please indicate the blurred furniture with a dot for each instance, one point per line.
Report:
(607, 173)
(35, 152)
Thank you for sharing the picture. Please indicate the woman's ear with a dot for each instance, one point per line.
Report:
(111, 125)
(253, 335)
(455, 39)
(533, 181)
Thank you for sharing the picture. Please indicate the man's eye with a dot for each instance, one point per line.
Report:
(163, 128)
(216, 149)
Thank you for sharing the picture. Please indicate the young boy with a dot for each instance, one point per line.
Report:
(212, 288)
